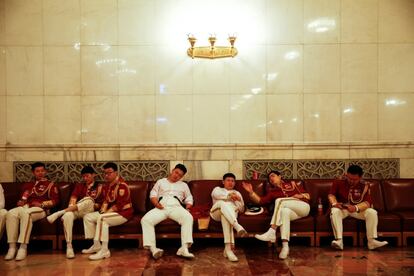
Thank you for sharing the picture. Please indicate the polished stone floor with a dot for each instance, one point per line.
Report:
(255, 258)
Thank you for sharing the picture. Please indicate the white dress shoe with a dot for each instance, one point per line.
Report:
(284, 253)
(230, 255)
(157, 253)
(374, 244)
(100, 255)
(92, 249)
(69, 253)
(270, 235)
(183, 252)
(11, 253)
(337, 244)
(21, 254)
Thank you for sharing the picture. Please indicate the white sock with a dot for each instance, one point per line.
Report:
(227, 246)
(68, 245)
(237, 226)
(96, 243)
(59, 213)
(104, 246)
(23, 246)
(285, 243)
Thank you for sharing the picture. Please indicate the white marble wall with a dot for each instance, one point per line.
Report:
(115, 72)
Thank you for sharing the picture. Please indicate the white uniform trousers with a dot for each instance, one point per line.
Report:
(24, 216)
(3, 214)
(369, 215)
(97, 225)
(172, 210)
(226, 212)
(85, 206)
(286, 210)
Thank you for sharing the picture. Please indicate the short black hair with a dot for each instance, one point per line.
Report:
(181, 167)
(229, 175)
(37, 165)
(273, 171)
(111, 165)
(355, 170)
(88, 169)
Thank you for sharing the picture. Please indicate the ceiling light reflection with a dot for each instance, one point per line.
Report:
(291, 55)
(321, 25)
(394, 102)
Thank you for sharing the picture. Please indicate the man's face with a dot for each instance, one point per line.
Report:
(88, 178)
(353, 178)
(274, 179)
(229, 183)
(110, 175)
(39, 173)
(176, 175)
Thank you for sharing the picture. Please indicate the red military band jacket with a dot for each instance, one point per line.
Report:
(345, 193)
(42, 192)
(96, 192)
(286, 189)
(118, 199)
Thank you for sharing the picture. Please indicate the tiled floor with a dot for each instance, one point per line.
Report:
(255, 258)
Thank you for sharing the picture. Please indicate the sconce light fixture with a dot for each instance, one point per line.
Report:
(211, 51)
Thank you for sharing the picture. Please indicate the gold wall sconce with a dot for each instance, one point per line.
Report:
(211, 51)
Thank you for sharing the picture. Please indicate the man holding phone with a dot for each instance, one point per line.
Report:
(350, 196)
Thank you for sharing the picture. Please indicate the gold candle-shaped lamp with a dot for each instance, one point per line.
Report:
(212, 40)
(192, 41)
(232, 39)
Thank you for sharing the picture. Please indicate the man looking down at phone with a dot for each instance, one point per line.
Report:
(350, 196)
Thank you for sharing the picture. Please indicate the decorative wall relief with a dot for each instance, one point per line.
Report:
(311, 169)
(70, 171)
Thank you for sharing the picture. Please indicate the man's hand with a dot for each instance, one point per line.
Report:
(338, 205)
(234, 197)
(298, 196)
(248, 187)
(20, 203)
(188, 207)
(37, 204)
(350, 208)
(159, 205)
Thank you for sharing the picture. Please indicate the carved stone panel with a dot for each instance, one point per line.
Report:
(313, 169)
(70, 171)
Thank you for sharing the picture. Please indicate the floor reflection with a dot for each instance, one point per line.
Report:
(255, 258)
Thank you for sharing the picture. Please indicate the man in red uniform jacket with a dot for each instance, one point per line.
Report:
(350, 196)
(86, 198)
(115, 210)
(37, 198)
